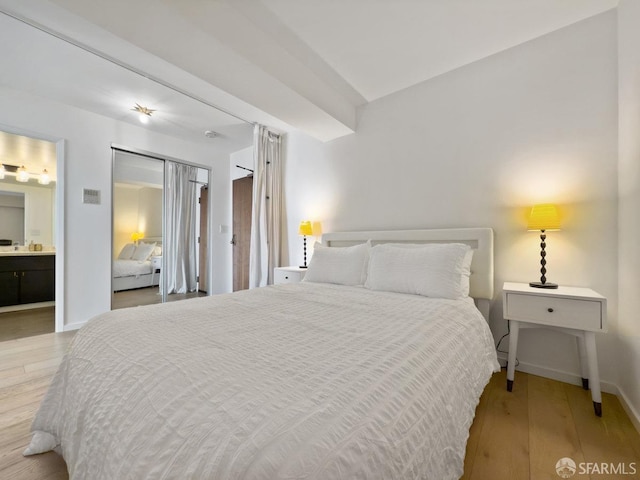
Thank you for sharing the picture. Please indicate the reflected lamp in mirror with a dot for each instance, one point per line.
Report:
(543, 217)
(137, 236)
(305, 229)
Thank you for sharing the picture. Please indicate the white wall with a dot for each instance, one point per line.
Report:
(150, 212)
(244, 158)
(125, 215)
(135, 209)
(88, 139)
(477, 147)
(629, 207)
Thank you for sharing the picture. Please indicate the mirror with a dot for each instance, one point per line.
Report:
(137, 230)
(160, 230)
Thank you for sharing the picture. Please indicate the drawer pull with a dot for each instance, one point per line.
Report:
(550, 310)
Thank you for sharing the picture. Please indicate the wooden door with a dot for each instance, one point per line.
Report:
(242, 204)
(203, 283)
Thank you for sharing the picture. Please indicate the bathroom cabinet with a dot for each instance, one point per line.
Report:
(26, 279)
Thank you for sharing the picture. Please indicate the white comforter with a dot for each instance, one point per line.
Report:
(299, 381)
(131, 268)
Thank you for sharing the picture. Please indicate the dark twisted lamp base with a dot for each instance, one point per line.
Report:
(304, 242)
(543, 280)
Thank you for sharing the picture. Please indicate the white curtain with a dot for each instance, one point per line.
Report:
(267, 213)
(180, 245)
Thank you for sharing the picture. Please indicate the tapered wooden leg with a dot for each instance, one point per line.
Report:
(594, 375)
(514, 329)
(597, 407)
(584, 362)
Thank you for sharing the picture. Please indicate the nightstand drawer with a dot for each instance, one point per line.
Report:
(560, 312)
(283, 275)
(156, 262)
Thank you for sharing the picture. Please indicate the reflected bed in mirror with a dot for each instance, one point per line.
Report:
(138, 265)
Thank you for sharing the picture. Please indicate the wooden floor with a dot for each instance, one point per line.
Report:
(147, 296)
(515, 436)
(26, 368)
(27, 323)
(522, 434)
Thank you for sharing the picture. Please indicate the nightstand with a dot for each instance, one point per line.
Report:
(156, 267)
(288, 275)
(577, 311)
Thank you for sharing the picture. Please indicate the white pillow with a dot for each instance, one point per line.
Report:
(143, 251)
(341, 265)
(127, 252)
(432, 270)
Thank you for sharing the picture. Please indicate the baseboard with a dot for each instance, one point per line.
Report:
(574, 379)
(73, 326)
(26, 306)
(626, 404)
(560, 375)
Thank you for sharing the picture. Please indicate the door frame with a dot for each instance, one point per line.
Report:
(59, 213)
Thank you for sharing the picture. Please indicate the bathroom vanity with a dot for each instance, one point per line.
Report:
(27, 277)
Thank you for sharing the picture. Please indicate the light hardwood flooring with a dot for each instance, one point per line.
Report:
(147, 296)
(515, 436)
(26, 368)
(27, 323)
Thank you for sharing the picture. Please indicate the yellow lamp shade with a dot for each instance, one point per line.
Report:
(135, 236)
(544, 217)
(305, 228)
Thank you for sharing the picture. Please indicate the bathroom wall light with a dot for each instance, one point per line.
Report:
(22, 175)
(44, 178)
(2, 171)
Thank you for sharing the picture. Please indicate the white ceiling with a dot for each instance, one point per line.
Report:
(291, 64)
(383, 46)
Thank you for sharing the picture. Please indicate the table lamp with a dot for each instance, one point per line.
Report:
(304, 230)
(137, 236)
(543, 217)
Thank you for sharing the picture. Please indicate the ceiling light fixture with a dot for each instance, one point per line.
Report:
(210, 134)
(144, 113)
(22, 175)
(44, 178)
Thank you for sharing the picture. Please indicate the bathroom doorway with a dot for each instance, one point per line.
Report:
(31, 269)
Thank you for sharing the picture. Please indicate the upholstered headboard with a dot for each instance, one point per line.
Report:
(479, 239)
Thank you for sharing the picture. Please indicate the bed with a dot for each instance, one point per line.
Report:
(136, 266)
(314, 380)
